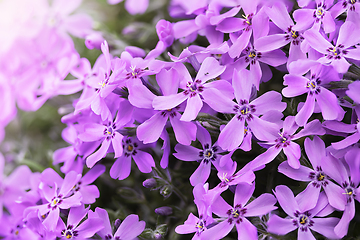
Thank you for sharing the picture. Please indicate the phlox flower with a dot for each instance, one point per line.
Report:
(198, 224)
(131, 150)
(316, 77)
(210, 153)
(279, 15)
(284, 140)
(150, 130)
(56, 198)
(73, 229)
(14, 186)
(108, 133)
(346, 174)
(102, 84)
(336, 55)
(301, 216)
(254, 23)
(237, 215)
(316, 152)
(245, 111)
(319, 15)
(210, 68)
(129, 229)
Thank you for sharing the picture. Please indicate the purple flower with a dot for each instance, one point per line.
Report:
(307, 17)
(130, 228)
(108, 133)
(102, 83)
(89, 192)
(284, 141)
(229, 177)
(150, 130)
(280, 17)
(343, 197)
(199, 224)
(131, 150)
(56, 199)
(258, 60)
(207, 155)
(236, 215)
(317, 178)
(302, 218)
(313, 84)
(254, 23)
(193, 89)
(14, 186)
(337, 55)
(245, 110)
(76, 230)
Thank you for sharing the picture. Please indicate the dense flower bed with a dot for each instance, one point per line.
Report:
(240, 119)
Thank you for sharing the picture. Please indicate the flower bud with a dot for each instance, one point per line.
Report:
(117, 223)
(164, 211)
(94, 40)
(150, 183)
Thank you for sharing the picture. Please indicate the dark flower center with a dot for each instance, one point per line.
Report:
(130, 147)
(200, 225)
(283, 141)
(336, 52)
(303, 221)
(236, 214)
(313, 85)
(109, 130)
(208, 154)
(244, 110)
(193, 88)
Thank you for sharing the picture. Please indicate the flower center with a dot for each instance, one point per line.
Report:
(293, 36)
(313, 85)
(209, 153)
(283, 140)
(319, 12)
(252, 54)
(55, 202)
(129, 147)
(244, 110)
(247, 21)
(109, 130)
(303, 221)
(69, 232)
(193, 88)
(236, 214)
(320, 177)
(170, 112)
(200, 225)
(336, 52)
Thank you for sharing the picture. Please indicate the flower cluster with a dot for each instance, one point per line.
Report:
(225, 81)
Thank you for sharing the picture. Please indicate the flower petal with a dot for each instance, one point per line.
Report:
(193, 107)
